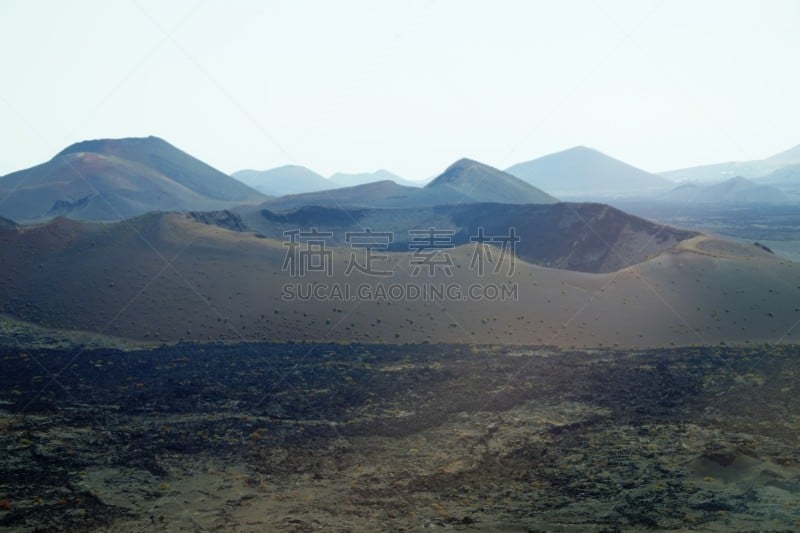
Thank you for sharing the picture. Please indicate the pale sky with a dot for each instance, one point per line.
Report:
(409, 86)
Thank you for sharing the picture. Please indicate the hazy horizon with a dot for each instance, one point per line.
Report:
(409, 87)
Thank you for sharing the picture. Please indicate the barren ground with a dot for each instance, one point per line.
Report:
(339, 437)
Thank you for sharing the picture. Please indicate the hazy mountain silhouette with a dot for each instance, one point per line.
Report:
(748, 169)
(112, 178)
(344, 179)
(288, 179)
(582, 172)
(464, 182)
(786, 179)
(376, 194)
(736, 190)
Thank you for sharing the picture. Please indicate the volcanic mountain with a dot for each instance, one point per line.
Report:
(109, 179)
(481, 183)
(465, 181)
(166, 277)
(583, 237)
(584, 173)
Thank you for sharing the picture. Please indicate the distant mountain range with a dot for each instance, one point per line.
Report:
(280, 181)
(343, 179)
(296, 179)
(110, 179)
(377, 194)
(584, 173)
(465, 181)
(748, 169)
(732, 191)
(786, 179)
(581, 173)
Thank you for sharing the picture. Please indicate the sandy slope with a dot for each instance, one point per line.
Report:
(166, 278)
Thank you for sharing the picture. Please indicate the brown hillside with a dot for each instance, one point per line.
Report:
(166, 277)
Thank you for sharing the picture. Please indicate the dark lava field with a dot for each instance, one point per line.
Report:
(351, 437)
